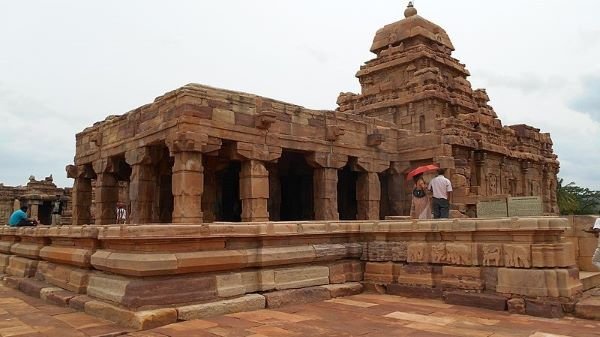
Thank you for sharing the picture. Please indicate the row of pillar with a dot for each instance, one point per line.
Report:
(188, 184)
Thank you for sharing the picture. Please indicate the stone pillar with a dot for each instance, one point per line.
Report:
(325, 180)
(34, 207)
(81, 195)
(142, 184)
(107, 195)
(368, 195)
(188, 186)
(254, 191)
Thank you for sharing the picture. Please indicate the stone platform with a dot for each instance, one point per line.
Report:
(151, 275)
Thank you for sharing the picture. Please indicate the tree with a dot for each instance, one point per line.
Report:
(573, 199)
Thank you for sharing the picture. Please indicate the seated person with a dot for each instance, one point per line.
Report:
(19, 218)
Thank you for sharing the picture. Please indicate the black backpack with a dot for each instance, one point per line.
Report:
(418, 193)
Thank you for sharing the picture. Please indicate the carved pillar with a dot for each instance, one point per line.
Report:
(325, 180)
(142, 184)
(368, 195)
(254, 191)
(188, 186)
(81, 195)
(106, 192)
(34, 207)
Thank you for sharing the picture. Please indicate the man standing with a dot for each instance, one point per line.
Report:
(442, 192)
(121, 213)
(56, 211)
(19, 218)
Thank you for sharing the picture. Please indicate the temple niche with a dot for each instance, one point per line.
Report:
(39, 196)
(201, 154)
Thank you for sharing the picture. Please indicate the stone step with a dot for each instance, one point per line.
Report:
(589, 279)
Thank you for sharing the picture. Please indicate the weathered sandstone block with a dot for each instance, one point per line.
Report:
(300, 277)
(539, 282)
(245, 303)
(379, 272)
(281, 298)
(21, 266)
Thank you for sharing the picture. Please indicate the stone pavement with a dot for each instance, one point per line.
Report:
(25, 316)
(373, 315)
(370, 315)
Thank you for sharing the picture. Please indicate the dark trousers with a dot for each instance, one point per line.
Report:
(24, 223)
(441, 208)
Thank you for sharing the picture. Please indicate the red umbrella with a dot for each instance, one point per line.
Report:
(421, 169)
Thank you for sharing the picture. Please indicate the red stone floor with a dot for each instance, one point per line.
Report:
(25, 316)
(361, 315)
(374, 315)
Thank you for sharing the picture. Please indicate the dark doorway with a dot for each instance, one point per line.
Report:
(296, 184)
(45, 213)
(347, 205)
(164, 187)
(228, 204)
(385, 202)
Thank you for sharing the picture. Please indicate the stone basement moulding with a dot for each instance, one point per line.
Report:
(201, 154)
(149, 275)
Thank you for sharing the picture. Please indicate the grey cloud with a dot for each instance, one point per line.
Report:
(588, 102)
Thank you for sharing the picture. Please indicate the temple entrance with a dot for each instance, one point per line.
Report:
(346, 189)
(296, 187)
(227, 206)
(45, 213)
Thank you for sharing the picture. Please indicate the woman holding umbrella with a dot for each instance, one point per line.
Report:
(421, 205)
(421, 202)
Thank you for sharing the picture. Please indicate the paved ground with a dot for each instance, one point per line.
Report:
(377, 316)
(25, 316)
(361, 315)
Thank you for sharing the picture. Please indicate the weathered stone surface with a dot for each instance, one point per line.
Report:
(542, 308)
(230, 285)
(66, 277)
(516, 306)
(379, 272)
(300, 277)
(258, 280)
(78, 302)
(245, 303)
(486, 301)
(419, 275)
(67, 255)
(21, 266)
(539, 282)
(414, 291)
(588, 308)
(141, 320)
(345, 289)
(462, 277)
(281, 298)
(32, 287)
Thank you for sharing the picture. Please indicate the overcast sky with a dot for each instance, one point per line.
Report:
(67, 64)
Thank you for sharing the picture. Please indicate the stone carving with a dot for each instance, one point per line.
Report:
(418, 252)
(438, 252)
(459, 253)
(518, 256)
(492, 254)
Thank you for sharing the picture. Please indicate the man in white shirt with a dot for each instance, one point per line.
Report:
(442, 192)
(121, 213)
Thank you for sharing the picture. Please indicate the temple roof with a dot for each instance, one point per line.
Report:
(412, 26)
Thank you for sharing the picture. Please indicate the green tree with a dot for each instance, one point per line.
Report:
(573, 199)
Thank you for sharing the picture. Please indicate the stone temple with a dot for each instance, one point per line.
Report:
(200, 154)
(240, 202)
